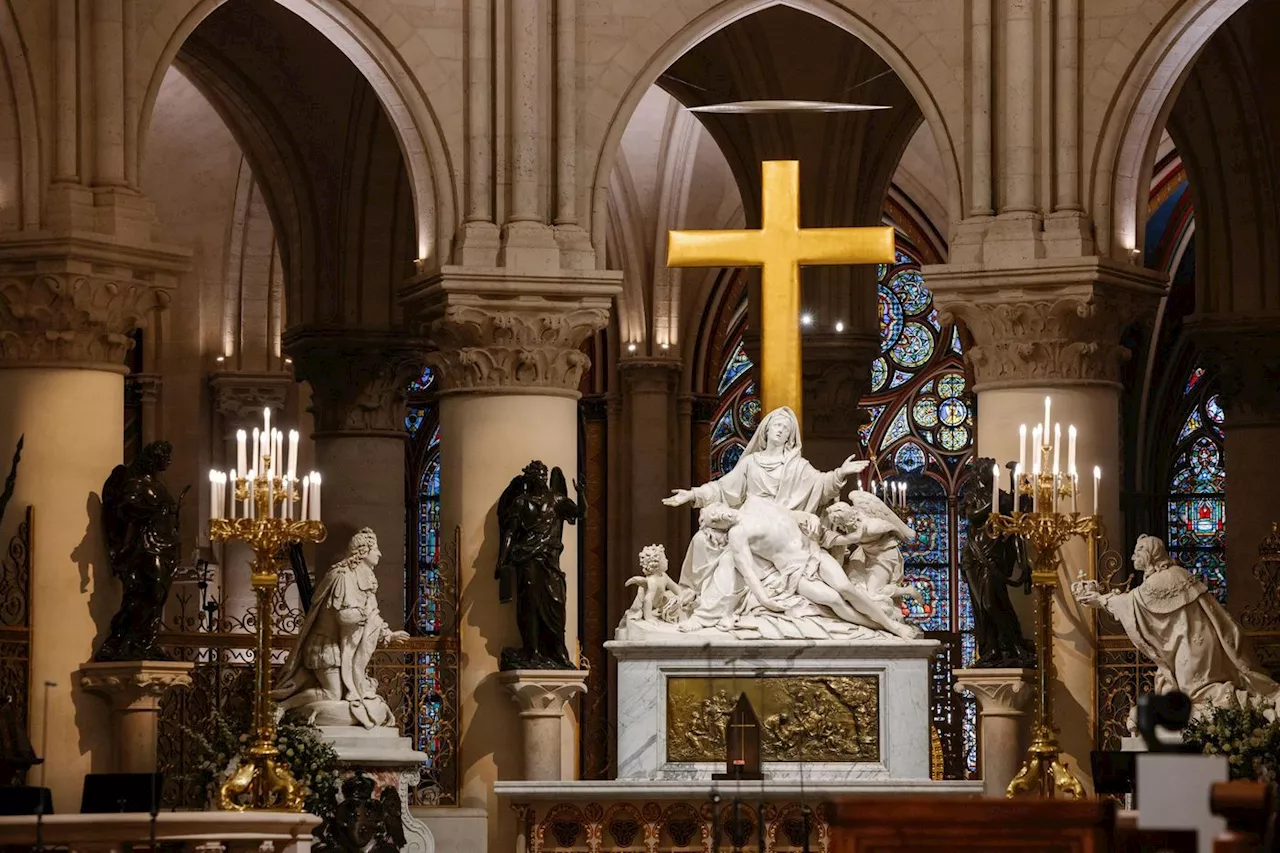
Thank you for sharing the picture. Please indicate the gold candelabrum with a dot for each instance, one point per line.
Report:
(1046, 530)
(260, 783)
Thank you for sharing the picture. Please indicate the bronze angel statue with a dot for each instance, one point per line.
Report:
(10, 482)
(531, 517)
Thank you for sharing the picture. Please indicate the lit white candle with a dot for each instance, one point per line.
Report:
(1075, 492)
(287, 499)
(213, 494)
(1022, 446)
(257, 449)
(1017, 488)
(293, 455)
(1036, 454)
(230, 497)
(1071, 450)
(1097, 482)
(315, 495)
(278, 455)
(306, 499)
(1046, 419)
(904, 495)
(240, 451)
(995, 488)
(266, 420)
(271, 497)
(250, 506)
(1057, 449)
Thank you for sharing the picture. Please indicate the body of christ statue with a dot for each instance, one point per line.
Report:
(780, 247)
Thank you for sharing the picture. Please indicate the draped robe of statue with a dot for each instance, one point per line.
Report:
(1196, 646)
(765, 492)
(327, 675)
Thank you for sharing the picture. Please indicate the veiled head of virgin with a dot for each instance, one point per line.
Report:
(779, 430)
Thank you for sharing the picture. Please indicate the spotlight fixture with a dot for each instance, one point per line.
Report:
(666, 346)
(806, 319)
(631, 347)
(839, 325)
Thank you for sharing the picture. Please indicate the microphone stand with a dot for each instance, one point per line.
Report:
(44, 761)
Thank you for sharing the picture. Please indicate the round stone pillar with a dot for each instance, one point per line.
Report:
(1246, 353)
(62, 346)
(357, 380)
(509, 368)
(1055, 331)
(837, 372)
(649, 450)
(1004, 697)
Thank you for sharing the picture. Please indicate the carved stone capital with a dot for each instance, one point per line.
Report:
(1000, 692)
(357, 377)
(543, 692)
(73, 301)
(649, 375)
(837, 372)
(135, 685)
(146, 386)
(1245, 350)
(1058, 323)
(240, 397)
(499, 333)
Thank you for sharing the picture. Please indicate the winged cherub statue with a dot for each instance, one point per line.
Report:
(531, 518)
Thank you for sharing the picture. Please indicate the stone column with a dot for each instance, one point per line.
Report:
(238, 399)
(1246, 352)
(837, 372)
(509, 365)
(66, 308)
(648, 405)
(541, 696)
(357, 380)
(134, 690)
(1004, 697)
(1054, 330)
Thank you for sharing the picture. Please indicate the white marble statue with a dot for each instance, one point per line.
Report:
(757, 564)
(1174, 621)
(327, 674)
(658, 597)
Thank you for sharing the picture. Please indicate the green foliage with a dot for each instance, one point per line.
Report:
(1248, 735)
(217, 745)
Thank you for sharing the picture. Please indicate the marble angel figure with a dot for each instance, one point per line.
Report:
(866, 536)
(755, 563)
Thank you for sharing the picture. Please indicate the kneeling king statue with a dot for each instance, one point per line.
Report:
(531, 518)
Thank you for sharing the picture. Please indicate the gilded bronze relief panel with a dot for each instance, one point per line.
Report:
(802, 718)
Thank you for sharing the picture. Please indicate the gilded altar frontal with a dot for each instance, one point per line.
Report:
(806, 718)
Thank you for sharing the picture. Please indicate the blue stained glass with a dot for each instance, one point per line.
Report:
(1214, 408)
(933, 320)
(879, 372)
(954, 439)
(952, 412)
(864, 431)
(414, 418)
(968, 642)
(900, 378)
(428, 546)
(1199, 468)
(737, 365)
(955, 342)
(927, 388)
(749, 413)
(435, 437)
(925, 412)
(1196, 522)
(915, 347)
(1208, 565)
(890, 317)
(909, 459)
(897, 429)
(910, 289)
(423, 382)
(970, 727)
(723, 429)
(1193, 423)
(951, 385)
(729, 457)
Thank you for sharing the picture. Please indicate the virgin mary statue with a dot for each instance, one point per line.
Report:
(756, 563)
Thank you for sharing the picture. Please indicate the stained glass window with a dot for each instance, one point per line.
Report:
(1197, 505)
(738, 413)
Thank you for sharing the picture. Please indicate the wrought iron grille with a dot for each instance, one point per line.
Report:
(15, 620)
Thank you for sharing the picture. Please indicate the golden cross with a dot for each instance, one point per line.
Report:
(780, 247)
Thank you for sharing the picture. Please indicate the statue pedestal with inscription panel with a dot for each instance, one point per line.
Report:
(829, 710)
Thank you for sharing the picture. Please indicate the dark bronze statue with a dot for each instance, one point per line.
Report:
(140, 522)
(11, 481)
(363, 823)
(531, 517)
(17, 755)
(989, 567)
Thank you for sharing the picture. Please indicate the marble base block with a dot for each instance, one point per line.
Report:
(1004, 726)
(390, 759)
(899, 669)
(134, 689)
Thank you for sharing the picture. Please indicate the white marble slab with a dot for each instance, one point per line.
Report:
(768, 789)
(901, 666)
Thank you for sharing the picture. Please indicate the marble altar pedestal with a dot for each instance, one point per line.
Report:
(134, 689)
(392, 762)
(1004, 726)
(541, 695)
(838, 710)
